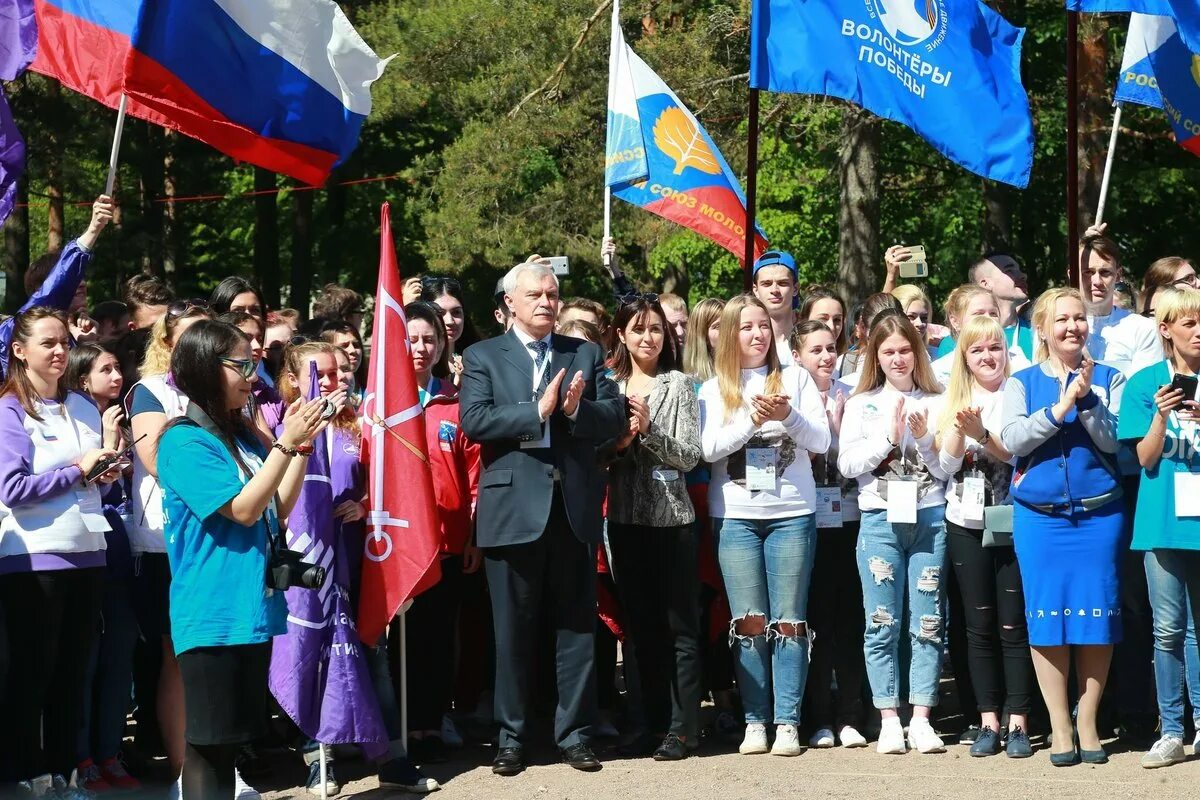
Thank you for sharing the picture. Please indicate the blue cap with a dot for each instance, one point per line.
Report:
(775, 258)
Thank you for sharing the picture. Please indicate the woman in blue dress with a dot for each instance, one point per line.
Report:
(1060, 421)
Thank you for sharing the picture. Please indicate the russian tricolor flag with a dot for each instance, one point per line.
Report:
(284, 84)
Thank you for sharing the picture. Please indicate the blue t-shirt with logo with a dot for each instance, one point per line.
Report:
(219, 594)
(1155, 526)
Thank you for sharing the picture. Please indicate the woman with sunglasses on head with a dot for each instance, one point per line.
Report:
(887, 444)
(96, 373)
(1169, 272)
(1160, 418)
(1060, 421)
(52, 542)
(835, 598)
(224, 494)
(152, 403)
(759, 422)
(650, 525)
(989, 577)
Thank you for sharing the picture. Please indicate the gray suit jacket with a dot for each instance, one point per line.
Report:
(516, 486)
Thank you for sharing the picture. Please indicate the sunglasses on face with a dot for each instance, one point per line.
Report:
(245, 366)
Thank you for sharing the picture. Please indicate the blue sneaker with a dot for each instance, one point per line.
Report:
(987, 743)
(1018, 744)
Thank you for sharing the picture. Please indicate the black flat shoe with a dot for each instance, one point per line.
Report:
(581, 757)
(508, 761)
(671, 749)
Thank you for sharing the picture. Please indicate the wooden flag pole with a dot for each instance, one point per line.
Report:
(1072, 148)
(1108, 164)
(114, 156)
(751, 189)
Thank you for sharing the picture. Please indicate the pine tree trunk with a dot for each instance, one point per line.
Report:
(997, 217)
(266, 237)
(170, 219)
(302, 252)
(55, 222)
(1095, 113)
(16, 250)
(858, 212)
(150, 179)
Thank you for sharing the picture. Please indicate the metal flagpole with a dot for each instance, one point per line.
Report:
(1108, 163)
(607, 223)
(116, 148)
(1072, 148)
(751, 188)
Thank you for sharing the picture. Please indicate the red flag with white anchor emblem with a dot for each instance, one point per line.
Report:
(400, 559)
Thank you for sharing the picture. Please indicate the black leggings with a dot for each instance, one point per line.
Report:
(430, 627)
(53, 619)
(835, 614)
(994, 612)
(208, 772)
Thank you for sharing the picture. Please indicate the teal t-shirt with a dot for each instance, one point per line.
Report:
(219, 593)
(1020, 335)
(1155, 525)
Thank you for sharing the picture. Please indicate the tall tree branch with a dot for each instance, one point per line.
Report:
(556, 76)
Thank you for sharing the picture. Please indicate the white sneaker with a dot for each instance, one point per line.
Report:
(755, 741)
(787, 741)
(1166, 751)
(822, 738)
(891, 740)
(1196, 742)
(243, 790)
(850, 737)
(175, 790)
(923, 738)
(450, 735)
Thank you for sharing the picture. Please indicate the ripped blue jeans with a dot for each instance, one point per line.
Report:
(767, 566)
(901, 567)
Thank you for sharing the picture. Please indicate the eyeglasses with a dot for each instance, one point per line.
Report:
(245, 366)
(634, 297)
(181, 308)
(1187, 280)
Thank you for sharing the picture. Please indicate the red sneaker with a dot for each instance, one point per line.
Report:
(114, 774)
(87, 776)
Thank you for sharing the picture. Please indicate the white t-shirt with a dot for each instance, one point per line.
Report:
(784, 349)
(866, 424)
(998, 475)
(726, 437)
(1124, 341)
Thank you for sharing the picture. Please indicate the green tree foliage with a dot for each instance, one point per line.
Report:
(491, 118)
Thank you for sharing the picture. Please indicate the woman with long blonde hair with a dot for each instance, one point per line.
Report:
(887, 445)
(1060, 421)
(988, 575)
(916, 307)
(759, 423)
(704, 325)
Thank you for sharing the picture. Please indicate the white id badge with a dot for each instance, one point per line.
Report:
(973, 498)
(664, 474)
(760, 469)
(1187, 494)
(829, 507)
(902, 501)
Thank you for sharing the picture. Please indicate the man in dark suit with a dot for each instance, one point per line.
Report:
(538, 516)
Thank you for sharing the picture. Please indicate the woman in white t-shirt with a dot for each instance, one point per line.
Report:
(989, 577)
(887, 444)
(758, 424)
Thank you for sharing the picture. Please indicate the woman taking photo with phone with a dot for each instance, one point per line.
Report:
(835, 600)
(988, 575)
(887, 445)
(1160, 418)
(224, 494)
(52, 542)
(1060, 421)
(650, 531)
(758, 424)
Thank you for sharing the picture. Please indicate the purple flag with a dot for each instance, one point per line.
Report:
(318, 668)
(18, 45)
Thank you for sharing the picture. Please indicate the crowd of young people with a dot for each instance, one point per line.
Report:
(805, 508)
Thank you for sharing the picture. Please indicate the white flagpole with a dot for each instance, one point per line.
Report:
(1108, 163)
(614, 34)
(116, 148)
(607, 223)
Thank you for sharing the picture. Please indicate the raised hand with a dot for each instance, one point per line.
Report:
(102, 214)
(639, 414)
(549, 400)
(574, 393)
(918, 422)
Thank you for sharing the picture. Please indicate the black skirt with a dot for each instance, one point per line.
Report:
(225, 693)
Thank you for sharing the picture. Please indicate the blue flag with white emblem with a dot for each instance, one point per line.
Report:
(1158, 70)
(1186, 14)
(948, 69)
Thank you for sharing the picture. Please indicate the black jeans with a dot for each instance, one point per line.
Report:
(53, 620)
(659, 583)
(835, 615)
(430, 627)
(994, 613)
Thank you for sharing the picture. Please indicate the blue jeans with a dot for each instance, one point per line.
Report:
(767, 565)
(1191, 658)
(1173, 576)
(900, 566)
(109, 676)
